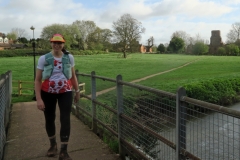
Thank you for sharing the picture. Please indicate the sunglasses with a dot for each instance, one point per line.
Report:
(57, 42)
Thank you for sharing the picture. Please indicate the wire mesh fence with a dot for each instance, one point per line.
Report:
(212, 131)
(153, 124)
(153, 110)
(5, 103)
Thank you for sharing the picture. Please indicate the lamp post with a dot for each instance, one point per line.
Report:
(34, 64)
(33, 45)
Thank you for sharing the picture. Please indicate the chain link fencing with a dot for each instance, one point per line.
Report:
(5, 104)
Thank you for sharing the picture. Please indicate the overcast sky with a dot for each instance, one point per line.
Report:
(160, 17)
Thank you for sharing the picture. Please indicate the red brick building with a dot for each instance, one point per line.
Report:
(145, 49)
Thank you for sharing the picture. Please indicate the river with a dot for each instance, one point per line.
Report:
(213, 136)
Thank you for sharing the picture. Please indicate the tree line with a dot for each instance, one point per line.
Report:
(86, 35)
(181, 42)
(124, 37)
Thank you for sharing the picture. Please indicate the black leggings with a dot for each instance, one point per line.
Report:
(64, 102)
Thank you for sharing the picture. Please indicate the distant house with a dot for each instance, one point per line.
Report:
(148, 47)
(144, 49)
(4, 42)
(8, 44)
(5, 46)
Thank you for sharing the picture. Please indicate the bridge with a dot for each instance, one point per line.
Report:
(27, 138)
(141, 122)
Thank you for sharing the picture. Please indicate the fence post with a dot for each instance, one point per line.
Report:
(74, 105)
(180, 124)
(93, 97)
(19, 87)
(77, 75)
(10, 88)
(119, 111)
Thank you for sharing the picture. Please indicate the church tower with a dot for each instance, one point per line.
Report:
(215, 41)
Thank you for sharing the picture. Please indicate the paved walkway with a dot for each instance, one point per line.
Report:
(27, 138)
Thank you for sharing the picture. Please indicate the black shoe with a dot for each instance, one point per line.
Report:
(64, 156)
(52, 152)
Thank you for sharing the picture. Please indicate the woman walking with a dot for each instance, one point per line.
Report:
(56, 68)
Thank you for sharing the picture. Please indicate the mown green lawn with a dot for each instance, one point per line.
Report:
(207, 67)
(138, 66)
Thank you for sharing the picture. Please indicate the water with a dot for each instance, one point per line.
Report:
(213, 136)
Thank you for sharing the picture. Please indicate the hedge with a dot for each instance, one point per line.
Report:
(222, 92)
(29, 52)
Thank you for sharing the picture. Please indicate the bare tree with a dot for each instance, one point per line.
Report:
(191, 40)
(150, 43)
(183, 35)
(234, 33)
(19, 32)
(198, 38)
(127, 30)
(187, 38)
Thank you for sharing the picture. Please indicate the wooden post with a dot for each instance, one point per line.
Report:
(19, 87)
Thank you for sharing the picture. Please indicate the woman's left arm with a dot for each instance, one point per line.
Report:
(75, 86)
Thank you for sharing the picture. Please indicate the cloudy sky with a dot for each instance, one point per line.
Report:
(160, 17)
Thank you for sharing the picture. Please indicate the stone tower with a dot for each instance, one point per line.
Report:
(215, 41)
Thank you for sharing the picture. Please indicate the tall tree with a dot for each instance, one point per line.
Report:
(161, 48)
(184, 36)
(86, 28)
(199, 48)
(100, 39)
(12, 36)
(69, 32)
(127, 31)
(232, 49)
(234, 33)
(22, 40)
(176, 44)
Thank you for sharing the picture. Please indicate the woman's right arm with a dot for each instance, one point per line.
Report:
(38, 84)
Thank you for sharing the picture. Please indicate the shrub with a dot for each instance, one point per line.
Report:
(232, 49)
(222, 92)
(21, 52)
(221, 51)
(199, 48)
(161, 48)
(29, 52)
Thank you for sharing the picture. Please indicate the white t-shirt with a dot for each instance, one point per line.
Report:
(57, 83)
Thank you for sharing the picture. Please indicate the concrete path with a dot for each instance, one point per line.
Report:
(27, 138)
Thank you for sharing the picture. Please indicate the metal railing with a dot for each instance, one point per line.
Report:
(153, 124)
(5, 106)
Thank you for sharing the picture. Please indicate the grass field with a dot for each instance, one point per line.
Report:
(140, 65)
(135, 66)
(205, 68)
